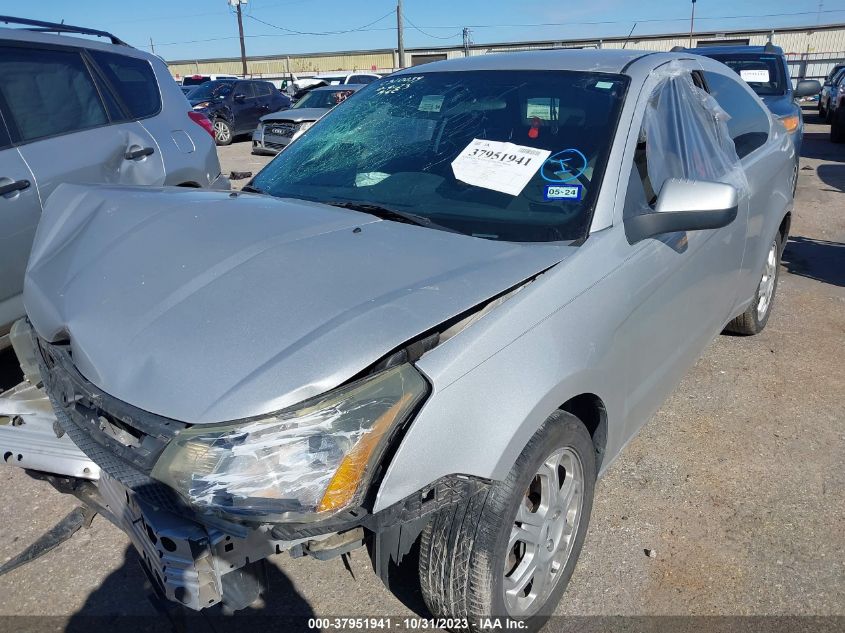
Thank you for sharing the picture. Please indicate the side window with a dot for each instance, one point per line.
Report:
(245, 88)
(361, 79)
(48, 92)
(263, 89)
(5, 141)
(749, 124)
(680, 137)
(133, 80)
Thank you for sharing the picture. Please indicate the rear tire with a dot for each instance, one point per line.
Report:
(754, 319)
(222, 132)
(522, 535)
(837, 126)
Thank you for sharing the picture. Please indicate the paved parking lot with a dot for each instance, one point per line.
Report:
(737, 483)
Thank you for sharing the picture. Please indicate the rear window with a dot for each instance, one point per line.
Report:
(196, 80)
(133, 81)
(48, 92)
(763, 73)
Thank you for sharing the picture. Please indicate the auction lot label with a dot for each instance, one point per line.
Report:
(502, 167)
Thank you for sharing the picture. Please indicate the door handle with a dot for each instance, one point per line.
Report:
(135, 154)
(18, 185)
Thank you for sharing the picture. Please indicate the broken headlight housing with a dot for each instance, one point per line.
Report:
(310, 461)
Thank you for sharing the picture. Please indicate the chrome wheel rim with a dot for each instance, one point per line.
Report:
(221, 131)
(543, 533)
(767, 283)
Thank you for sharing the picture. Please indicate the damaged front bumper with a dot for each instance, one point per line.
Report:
(192, 558)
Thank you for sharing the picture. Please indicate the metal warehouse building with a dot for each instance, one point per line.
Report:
(811, 50)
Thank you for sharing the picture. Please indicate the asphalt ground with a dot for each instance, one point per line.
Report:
(737, 484)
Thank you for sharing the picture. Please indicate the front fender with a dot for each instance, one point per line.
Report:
(477, 421)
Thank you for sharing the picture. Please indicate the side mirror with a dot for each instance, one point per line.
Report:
(239, 97)
(807, 88)
(686, 205)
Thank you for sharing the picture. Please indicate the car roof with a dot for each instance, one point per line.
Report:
(25, 35)
(595, 60)
(736, 50)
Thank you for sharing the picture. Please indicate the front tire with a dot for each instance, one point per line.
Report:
(511, 550)
(222, 132)
(754, 319)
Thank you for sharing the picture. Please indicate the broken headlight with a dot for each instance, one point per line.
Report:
(315, 458)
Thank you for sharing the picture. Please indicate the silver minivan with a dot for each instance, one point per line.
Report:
(84, 111)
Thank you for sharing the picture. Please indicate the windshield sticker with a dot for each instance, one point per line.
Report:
(370, 178)
(431, 103)
(563, 192)
(502, 167)
(565, 166)
(397, 84)
(756, 76)
(604, 85)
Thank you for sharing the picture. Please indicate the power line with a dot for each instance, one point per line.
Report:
(437, 37)
(291, 32)
(599, 22)
(295, 32)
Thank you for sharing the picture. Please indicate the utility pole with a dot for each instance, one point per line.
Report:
(691, 23)
(152, 46)
(467, 41)
(400, 34)
(237, 4)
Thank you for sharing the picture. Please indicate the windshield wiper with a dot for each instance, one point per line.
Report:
(386, 213)
(251, 189)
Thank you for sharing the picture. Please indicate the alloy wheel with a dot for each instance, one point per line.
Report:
(221, 131)
(543, 533)
(767, 283)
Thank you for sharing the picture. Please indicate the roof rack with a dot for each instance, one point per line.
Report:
(52, 27)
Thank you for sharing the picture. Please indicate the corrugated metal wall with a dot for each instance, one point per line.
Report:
(828, 40)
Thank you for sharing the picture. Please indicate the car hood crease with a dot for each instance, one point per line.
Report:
(204, 307)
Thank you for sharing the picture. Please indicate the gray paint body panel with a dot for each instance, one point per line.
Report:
(205, 308)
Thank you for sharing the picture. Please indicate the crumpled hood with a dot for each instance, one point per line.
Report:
(205, 307)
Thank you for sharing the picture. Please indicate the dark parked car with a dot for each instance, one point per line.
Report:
(830, 81)
(235, 106)
(765, 70)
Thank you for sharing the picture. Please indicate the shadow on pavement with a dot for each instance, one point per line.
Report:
(817, 145)
(833, 175)
(122, 603)
(816, 259)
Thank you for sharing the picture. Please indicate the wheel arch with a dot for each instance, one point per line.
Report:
(592, 412)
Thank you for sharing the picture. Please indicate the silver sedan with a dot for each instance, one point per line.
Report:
(435, 318)
(277, 130)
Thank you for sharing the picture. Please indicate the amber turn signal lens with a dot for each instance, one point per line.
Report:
(347, 478)
(790, 123)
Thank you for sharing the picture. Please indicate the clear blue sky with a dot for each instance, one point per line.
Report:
(177, 26)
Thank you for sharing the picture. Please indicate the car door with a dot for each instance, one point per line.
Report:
(750, 127)
(245, 107)
(264, 97)
(66, 124)
(681, 284)
(63, 125)
(20, 210)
